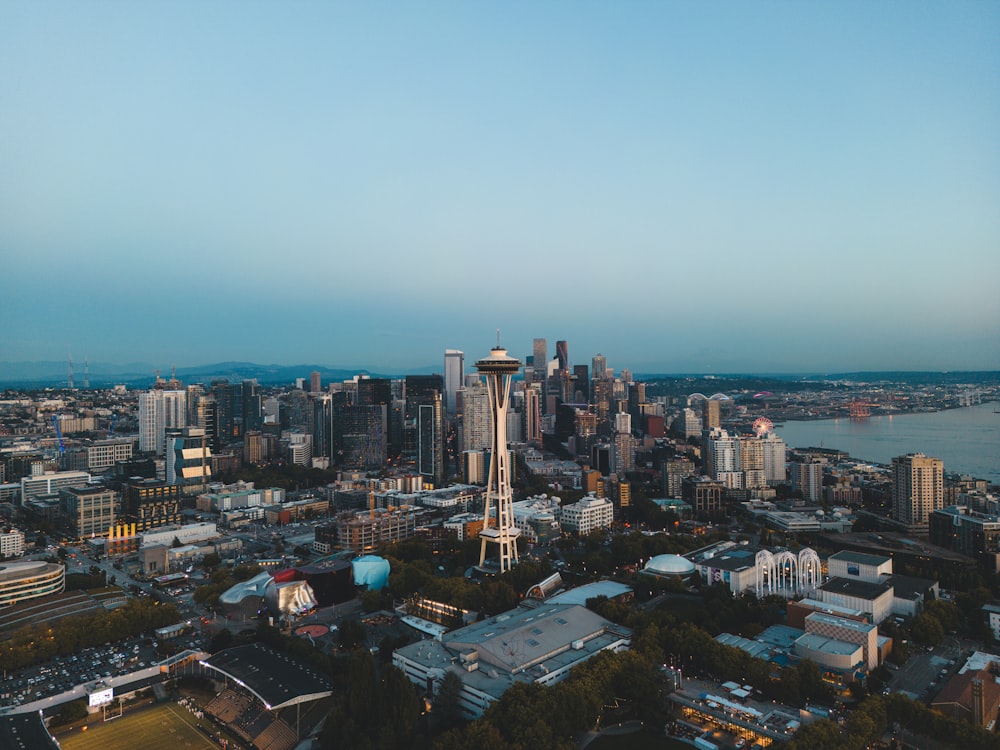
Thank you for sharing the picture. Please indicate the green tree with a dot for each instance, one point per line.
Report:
(447, 709)
(352, 634)
(72, 711)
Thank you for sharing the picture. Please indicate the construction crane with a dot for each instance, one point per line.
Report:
(55, 421)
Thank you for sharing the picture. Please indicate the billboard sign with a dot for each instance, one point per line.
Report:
(100, 697)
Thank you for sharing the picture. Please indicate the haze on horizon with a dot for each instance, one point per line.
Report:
(683, 187)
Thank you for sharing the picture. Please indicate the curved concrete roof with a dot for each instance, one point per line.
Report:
(670, 565)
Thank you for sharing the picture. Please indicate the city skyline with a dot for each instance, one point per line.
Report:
(757, 187)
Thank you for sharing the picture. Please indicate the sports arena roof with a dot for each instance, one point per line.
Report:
(670, 565)
(276, 679)
(25, 732)
(581, 594)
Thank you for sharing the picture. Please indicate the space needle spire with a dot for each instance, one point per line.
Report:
(498, 515)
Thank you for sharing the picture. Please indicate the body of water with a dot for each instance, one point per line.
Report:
(966, 439)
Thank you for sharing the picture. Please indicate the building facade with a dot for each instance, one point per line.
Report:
(587, 515)
(917, 488)
(88, 511)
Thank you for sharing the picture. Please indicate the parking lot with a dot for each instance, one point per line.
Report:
(63, 673)
(924, 674)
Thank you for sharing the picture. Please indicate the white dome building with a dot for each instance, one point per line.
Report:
(669, 566)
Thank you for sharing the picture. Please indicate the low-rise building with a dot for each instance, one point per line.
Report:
(858, 566)
(51, 482)
(11, 544)
(864, 634)
(88, 511)
(534, 643)
(589, 514)
(465, 525)
(30, 579)
(875, 599)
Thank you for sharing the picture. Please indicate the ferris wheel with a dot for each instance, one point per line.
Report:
(763, 426)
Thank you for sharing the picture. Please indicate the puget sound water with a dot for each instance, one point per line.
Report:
(966, 439)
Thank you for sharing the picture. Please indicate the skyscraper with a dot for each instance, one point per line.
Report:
(315, 384)
(499, 369)
(540, 359)
(562, 354)
(454, 377)
(531, 412)
(477, 431)
(419, 390)
(188, 460)
(598, 366)
(917, 488)
(430, 441)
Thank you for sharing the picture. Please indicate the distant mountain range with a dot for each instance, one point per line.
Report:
(143, 374)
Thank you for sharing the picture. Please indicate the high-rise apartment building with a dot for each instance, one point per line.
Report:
(752, 462)
(690, 423)
(160, 410)
(774, 457)
(454, 377)
(477, 426)
(722, 454)
(807, 478)
(917, 488)
(624, 457)
(675, 471)
(712, 415)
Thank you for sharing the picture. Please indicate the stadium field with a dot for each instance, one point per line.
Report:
(162, 727)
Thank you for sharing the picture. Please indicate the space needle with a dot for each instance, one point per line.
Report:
(499, 369)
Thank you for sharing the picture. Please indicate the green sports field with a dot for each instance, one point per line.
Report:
(162, 727)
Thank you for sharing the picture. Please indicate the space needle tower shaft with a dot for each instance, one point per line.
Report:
(498, 370)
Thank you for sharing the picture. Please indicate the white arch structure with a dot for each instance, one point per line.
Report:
(810, 574)
(764, 562)
(787, 574)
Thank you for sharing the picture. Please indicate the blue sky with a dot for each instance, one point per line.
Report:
(682, 186)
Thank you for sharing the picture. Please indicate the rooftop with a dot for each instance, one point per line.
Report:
(857, 589)
(842, 622)
(817, 642)
(861, 558)
(581, 594)
(276, 679)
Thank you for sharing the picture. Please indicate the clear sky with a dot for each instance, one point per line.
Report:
(683, 186)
